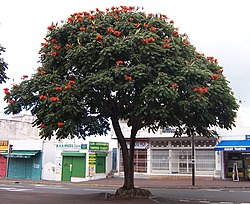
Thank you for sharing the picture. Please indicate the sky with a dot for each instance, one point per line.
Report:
(218, 28)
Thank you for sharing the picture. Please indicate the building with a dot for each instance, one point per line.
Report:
(24, 155)
(163, 154)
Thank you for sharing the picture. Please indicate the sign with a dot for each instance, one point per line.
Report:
(236, 148)
(92, 159)
(68, 146)
(4, 145)
(98, 146)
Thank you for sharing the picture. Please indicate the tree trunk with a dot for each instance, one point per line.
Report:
(128, 189)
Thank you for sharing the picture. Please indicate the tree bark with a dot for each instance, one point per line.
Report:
(127, 154)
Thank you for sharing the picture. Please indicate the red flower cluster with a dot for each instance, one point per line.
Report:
(6, 91)
(201, 90)
(166, 45)
(119, 63)
(54, 99)
(58, 88)
(60, 124)
(99, 37)
(151, 39)
(115, 32)
(175, 86)
(56, 47)
(10, 101)
(53, 54)
(42, 125)
(42, 97)
(128, 78)
(152, 28)
(214, 76)
(211, 59)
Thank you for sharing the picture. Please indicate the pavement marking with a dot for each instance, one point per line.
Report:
(52, 187)
(21, 189)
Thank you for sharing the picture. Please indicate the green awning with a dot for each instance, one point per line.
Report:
(22, 153)
(73, 154)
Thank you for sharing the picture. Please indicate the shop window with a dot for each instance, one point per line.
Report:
(205, 160)
(160, 160)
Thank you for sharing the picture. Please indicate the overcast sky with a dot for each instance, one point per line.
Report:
(218, 28)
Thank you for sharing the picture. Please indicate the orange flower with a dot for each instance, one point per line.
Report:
(201, 90)
(57, 47)
(71, 81)
(60, 124)
(175, 33)
(10, 101)
(214, 76)
(172, 22)
(128, 78)
(110, 30)
(42, 125)
(152, 28)
(68, 87)
(175, 86)
(81, 28)
(42, 97)
(186, 43)
(53, 54)
(54, 99)
(151, 39)
(167, 45)
(98, 37)
(119, 62)
(117, 33)
(131, 19)
(58, 88)
(54, 40)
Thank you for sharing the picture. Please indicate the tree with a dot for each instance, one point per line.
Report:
(101, 67)
(3, 67)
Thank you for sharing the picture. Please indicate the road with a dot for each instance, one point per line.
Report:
(39, 194)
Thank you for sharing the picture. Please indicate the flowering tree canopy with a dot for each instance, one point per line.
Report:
(3, 67)
(123, 64)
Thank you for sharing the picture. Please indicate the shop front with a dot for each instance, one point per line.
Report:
(3, 159)
(25, 164)
(173, 156)
(235, 158)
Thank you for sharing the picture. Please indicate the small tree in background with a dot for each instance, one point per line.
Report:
(123, 64)
(3, 67)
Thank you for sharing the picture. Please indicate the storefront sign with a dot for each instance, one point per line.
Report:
(4, 145)
(98, 146)
(139, 144)
(68, 146)
(236, 148)
(92, 159)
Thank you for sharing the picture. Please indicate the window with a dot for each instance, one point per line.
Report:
(160, 159)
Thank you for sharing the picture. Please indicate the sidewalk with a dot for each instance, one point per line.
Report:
(153, 182)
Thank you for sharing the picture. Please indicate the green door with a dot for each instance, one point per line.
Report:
(100, 164)
(73, 165)
(66, 169)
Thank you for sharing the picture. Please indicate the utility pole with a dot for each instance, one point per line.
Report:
(193, 161)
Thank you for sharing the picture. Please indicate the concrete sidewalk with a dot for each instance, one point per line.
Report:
(152, 182)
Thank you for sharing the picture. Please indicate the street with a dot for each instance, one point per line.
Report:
(40, 193)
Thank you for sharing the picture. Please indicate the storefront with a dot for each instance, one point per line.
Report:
(235, 156)
(3, 159)
(172, 155)
(25, 164)
(78, 162)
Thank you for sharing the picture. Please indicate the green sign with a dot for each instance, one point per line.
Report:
(98, 146)
(92, 159)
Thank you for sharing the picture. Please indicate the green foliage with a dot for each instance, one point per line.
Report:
(123, 63)
(3, 67)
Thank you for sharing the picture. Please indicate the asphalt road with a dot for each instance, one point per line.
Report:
(14, 193)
